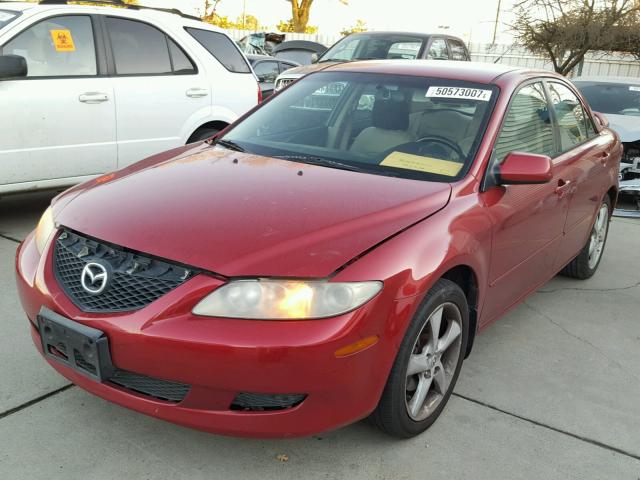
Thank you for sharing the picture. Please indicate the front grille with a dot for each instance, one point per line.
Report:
(151, 387)
(133, 280)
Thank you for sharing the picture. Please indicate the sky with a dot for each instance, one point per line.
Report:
(472, 20)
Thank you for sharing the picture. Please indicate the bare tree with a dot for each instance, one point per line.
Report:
(565, 30)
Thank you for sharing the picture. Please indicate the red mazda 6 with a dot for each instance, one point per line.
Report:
(329, 257)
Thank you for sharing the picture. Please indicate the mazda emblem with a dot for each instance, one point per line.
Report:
(94, 278)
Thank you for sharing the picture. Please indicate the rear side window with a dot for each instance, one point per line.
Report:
(438, 50)
(57, 47)
(138, 48)
(141, 49)
(527, 126)
(570, 116)
(458, 51)
(222, 48)
(182, 65)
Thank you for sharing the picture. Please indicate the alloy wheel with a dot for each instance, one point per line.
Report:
(433, 361)
(598, 236)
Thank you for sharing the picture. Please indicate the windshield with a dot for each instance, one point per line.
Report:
(403, 126)
(613, 98)
(374, 47)
(7, 16)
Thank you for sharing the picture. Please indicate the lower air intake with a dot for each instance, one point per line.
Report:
(260, 402)
(152, 387)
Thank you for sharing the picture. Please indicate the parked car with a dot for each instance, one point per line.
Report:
(86, 90)
(303, 52)
(267, 69)
(619, 99)
(315, 265)
(382, 45)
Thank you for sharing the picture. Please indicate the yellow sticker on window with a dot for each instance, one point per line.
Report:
(63, 41)
(422, 164)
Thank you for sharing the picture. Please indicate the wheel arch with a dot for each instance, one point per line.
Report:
(217, 124)
(465, 277)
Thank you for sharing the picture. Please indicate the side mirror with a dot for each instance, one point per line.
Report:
(12, 66)
(314, 58)
(601, 119)
(520, 168)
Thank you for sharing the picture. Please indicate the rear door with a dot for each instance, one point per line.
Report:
(59, 122)
(584, 156)
(160, 92)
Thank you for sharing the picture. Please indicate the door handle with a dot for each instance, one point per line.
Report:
(197, 92)
(563, 188)
(93, 97)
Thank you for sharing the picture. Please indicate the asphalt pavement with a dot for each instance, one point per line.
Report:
(551, 391)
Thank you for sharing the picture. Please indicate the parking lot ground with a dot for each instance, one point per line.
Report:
(550, 391)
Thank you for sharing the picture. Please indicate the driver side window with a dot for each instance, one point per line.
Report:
(57, 47)
(527, 126)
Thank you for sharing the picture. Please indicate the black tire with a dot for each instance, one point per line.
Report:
(202, 134)
(580, 267)
(391, 414)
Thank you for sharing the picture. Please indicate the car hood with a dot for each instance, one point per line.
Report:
(246, 215)
(627, 126)
(307, 69)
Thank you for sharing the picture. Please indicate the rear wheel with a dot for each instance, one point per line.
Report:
(587, 261)
(427, 365)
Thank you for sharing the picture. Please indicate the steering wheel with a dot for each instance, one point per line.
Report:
(449, 144)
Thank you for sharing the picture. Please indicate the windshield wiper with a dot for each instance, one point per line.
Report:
(323, 162)
(230, 145)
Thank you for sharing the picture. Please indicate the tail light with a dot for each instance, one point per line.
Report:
(259, 94)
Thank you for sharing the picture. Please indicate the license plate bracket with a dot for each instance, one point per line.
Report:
(84, 349)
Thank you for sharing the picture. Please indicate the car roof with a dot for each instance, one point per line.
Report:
(15, 6)
(404, 34)
(624, 80)
(472, 71)
(141, 12)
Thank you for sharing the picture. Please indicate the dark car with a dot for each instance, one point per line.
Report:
(267, 70)
(381, 46)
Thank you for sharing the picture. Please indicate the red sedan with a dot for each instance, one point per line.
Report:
(329, 257)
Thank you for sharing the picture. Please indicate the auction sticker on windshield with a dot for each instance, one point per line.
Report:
(459, 92)
(422, 164)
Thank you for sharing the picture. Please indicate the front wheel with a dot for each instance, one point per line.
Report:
(427, 365)
(587, 261)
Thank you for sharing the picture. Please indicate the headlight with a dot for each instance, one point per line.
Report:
(44, 230)
(286, 299)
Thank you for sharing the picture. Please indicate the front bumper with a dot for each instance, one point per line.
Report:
(220, 358)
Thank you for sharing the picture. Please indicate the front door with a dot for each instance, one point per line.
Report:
(528, 220)
(59, 122)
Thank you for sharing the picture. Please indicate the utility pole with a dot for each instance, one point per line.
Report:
(244, 14)
(495, 25)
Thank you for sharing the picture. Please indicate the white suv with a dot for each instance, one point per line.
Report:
(86, 89)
